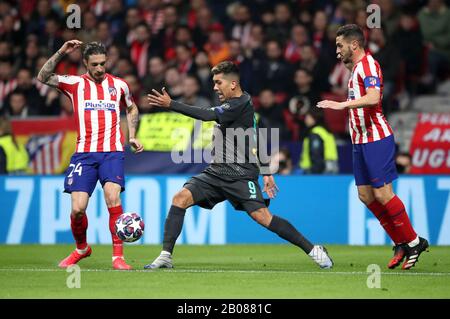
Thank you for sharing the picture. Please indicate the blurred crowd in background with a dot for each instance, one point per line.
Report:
(285, 51)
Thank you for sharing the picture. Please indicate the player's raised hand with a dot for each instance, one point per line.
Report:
(70, 46)
(270, 188)
(134, 142)
(327, 104)
(158, 99)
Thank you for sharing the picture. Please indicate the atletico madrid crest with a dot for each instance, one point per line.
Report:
(112, 91)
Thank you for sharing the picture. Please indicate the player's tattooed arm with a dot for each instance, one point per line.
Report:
(133, 121)
(46, 74)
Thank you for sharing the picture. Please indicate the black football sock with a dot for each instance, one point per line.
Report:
(285, 230)
(172, 227)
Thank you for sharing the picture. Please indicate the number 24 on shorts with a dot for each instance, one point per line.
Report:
(75, 169)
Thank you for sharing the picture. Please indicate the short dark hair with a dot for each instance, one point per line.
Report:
(225, 67)
(353, 32)
(93, 48)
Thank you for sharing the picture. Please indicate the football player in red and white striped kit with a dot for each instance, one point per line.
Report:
(97, 98)
(374, 146)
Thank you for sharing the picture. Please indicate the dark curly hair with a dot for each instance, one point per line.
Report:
(93, 48)
(225, 67)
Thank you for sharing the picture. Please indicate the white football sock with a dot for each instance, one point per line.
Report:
(415, 242)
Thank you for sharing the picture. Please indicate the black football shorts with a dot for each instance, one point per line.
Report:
(209, 190)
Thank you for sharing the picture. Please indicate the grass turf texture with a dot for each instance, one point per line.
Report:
(231, 271)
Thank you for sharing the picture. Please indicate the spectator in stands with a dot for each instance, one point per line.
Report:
(17, 106)
(174, 82)
(408, 39)
(203, 73)
(271, 114)
(241, 24)
(304, 98)
(190, 95)
(51, 39)
(204, 23)
(6, 51)
(88, 33)
(299, 38)
(403, 162)
(155, 77)
(166, 36)
(245, 65)
(319, 69)
(114, 54)
(133, 84)
(7, 82)
(124, 67)
(153, 14)
(390, 17)
(26, 86)
(319, 152)
(142, 49)
(126, 36)
(42, 12)
(30, 54)
(385, 51)
(115, 16)
(11, 30)
(103, 34)
(280, 29)
(13, 155)
(338, 79)
(184, 61)
(217, 47)
(274, 71)
(435, 24)
(255, 45)
(281, 162)
(319, 33)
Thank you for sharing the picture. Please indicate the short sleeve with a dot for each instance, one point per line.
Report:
(369, 76)
(127, 97)
(66, 83)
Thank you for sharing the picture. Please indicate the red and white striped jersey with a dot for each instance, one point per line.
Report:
(97, 110)
(367, 124)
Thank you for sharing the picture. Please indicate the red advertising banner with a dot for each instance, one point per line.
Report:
(430, 146)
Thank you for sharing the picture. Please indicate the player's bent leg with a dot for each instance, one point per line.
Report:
(172, 228)
(112, 198)
(78, 224)
(287, 231)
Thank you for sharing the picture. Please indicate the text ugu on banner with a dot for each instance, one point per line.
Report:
(430, 146)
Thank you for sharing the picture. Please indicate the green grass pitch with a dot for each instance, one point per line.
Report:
(230, 271)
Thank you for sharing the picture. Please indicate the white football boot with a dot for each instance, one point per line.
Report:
(319, 255)
(164, 260)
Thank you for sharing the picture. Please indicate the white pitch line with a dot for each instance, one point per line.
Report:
(323, 272)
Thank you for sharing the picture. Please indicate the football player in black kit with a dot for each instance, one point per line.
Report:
(233, 173)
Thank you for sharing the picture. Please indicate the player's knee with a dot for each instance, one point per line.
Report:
(365, 198)
(383, 197)
(182, 199)
(262, 217)
(78, 212)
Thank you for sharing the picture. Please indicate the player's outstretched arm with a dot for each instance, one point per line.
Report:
(133, 121)
(372, 98)
(196, 112)
(46, 74)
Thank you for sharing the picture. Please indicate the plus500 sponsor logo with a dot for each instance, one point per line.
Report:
(99, 105)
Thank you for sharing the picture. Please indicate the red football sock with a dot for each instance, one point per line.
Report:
(381, 214)
(397, 213)
(114, 213)
(79, 227)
